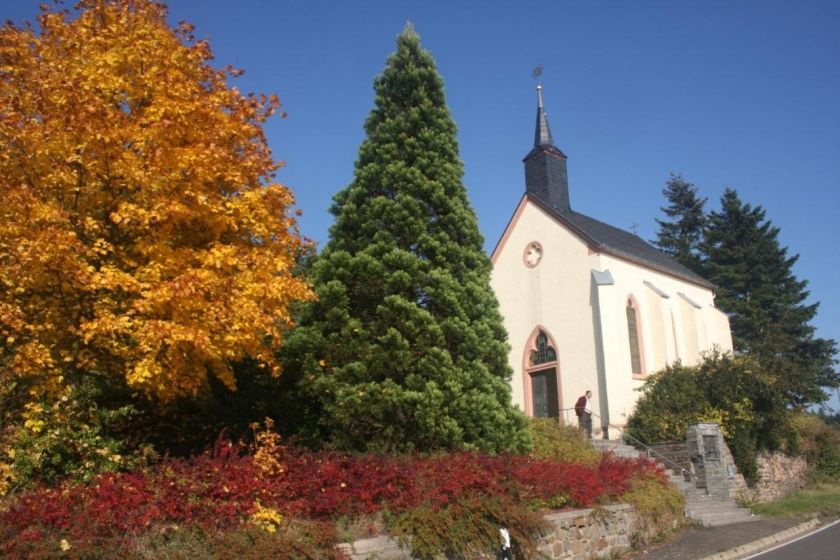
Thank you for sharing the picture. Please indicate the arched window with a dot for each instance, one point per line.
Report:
(634, 335)
(541, 372)
(544, 352)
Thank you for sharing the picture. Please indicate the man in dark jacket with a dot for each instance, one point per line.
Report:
(583, 409)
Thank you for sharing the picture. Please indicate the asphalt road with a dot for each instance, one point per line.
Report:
(693, 543)
(823, 544)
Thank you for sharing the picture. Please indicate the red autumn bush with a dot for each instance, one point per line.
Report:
(221, 488)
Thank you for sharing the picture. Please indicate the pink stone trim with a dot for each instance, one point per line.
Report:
(640, 337)
(527, 369)
(508, 230)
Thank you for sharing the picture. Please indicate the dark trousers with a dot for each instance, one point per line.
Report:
(585, 423)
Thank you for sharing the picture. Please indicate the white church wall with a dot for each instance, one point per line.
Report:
(588, 322)
(617, 372)
(690, 342)
(662, 340)
(719, 333)
(554, 295)
(658, 334)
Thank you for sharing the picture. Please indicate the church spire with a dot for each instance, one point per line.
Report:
(545, 165)
(542, 135)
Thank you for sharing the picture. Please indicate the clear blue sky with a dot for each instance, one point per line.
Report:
(730, 94)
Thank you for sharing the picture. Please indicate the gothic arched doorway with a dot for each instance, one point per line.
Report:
(542, 380)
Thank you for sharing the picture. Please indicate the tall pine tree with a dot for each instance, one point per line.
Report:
(769, 317)
(405, 347)
(680, 236)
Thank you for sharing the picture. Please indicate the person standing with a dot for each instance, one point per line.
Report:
(583, 409)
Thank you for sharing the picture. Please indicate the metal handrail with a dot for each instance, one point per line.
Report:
(648, 450)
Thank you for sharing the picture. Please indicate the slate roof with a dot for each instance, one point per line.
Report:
(623, 244)
(546, 184)
(542, 134)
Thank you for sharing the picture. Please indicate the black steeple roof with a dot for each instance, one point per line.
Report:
(545, 165)
(542, 134)
(546, 182)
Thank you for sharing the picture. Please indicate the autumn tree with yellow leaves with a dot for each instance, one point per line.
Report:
(142, 236)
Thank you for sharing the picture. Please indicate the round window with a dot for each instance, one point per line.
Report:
(533, 254)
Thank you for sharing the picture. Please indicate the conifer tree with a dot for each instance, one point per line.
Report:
(405, 347)
(681, 236)
(769, 317)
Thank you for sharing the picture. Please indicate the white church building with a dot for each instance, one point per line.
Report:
(588, 306)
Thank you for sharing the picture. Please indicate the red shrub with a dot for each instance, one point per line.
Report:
(220, 488)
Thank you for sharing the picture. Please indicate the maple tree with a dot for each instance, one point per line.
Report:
(142, 237)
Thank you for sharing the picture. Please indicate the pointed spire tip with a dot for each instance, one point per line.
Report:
(542, 136)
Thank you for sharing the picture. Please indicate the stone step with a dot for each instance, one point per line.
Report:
(617, 450)
(697, 509)
(626, 453)
(679, 475)
(608, 443)
(715, 519)
(702, 500)
(621, 449)
(720, 517)
(727, 512)
(681, 486)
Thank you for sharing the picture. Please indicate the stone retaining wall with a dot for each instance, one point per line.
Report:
(676, 452)
(587, 533)
(576, 535)
(779, 475)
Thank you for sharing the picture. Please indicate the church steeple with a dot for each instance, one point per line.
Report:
(542, 136)
(545, 165)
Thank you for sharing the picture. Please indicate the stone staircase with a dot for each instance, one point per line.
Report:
(700, 506)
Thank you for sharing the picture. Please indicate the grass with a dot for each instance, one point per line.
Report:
(821, 499)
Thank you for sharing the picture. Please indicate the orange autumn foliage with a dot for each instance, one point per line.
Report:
(141, 235)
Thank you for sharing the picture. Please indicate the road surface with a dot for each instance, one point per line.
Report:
(822, 544)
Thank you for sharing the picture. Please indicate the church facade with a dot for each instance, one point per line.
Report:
(588, 306)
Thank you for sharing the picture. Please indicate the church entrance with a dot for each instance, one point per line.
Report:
(544, 393)
(541, 376)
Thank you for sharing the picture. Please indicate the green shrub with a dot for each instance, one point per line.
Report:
(360, 526)
(75, 436)
(468, 528)
(819, 442)
(731, 390)
(293, 540)
(822, 498)
(552, 440)
(671, 401)
(657, 505)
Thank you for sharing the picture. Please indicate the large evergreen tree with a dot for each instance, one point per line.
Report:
(769, 317)
(680, 236)
(405, 347)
